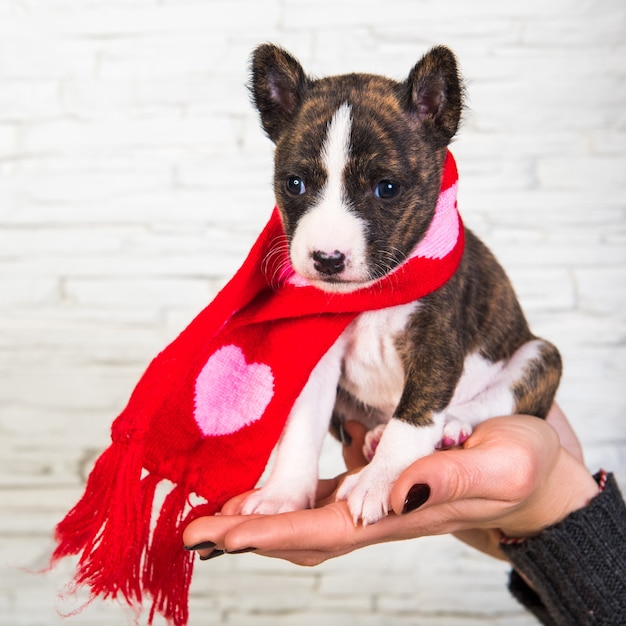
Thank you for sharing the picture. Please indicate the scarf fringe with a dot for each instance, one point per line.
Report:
(168, 567)
(107, 526)
(110, 528)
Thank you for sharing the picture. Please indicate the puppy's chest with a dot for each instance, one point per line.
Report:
(372, 370)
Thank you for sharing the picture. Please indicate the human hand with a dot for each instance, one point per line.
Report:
(512, 475)
(487, 540)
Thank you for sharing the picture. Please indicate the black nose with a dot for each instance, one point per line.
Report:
(329, 264)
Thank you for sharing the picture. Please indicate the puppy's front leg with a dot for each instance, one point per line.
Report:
(368, 492)
(413, 432)
(292, 483)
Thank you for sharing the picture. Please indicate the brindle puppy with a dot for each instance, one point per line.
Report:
(358, 168)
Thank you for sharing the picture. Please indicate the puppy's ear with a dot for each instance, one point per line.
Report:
(278, 84)
(435, 94)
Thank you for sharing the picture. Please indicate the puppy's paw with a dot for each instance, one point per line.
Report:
(271, 501)
(367, 494)
(372, 439)
(455, 432)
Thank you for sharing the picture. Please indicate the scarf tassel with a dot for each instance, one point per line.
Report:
(121, 556)
(109, 527)
(168, 567)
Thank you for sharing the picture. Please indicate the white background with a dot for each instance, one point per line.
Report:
(134, 176)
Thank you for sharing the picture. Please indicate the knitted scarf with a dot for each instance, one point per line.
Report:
(211, 406)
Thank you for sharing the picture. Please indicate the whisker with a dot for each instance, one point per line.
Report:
(276, 264)
(389, 261)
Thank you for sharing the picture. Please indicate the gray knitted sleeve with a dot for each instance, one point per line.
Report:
(577, 568)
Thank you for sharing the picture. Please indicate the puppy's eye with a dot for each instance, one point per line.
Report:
(386, 189)
(295, 186)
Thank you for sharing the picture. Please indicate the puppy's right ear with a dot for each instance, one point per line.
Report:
(278, 84)
(435, 94)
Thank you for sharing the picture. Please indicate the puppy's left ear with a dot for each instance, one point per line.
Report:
(435, 95)
(278, 85)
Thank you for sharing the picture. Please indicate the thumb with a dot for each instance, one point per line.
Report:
(438, 478)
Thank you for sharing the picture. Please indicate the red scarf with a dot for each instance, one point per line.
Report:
(210, 408)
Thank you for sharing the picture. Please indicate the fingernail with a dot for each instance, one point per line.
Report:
(205, 545)
(346, 439)
(212, 555)
(416, 497)
(241, 551)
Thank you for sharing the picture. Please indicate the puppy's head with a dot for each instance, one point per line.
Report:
(358, 161)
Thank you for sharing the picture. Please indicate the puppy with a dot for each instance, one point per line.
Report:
(358, 168)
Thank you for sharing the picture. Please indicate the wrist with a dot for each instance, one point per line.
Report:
(576, 487)
(568, 488)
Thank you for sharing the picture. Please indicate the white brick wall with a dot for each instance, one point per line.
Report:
(134, 175)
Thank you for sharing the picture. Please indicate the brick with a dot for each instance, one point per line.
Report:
(583, 172)
(33, 293)
(8, 146)
(544, 290)
(92, 20)
(598, 289)
(148, 130)
(47, 241)
(566, 28)
(24, 61)
(608, 142)
(25, 100)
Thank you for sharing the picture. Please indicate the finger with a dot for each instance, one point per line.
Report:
(311, 529)
(435, 479)
(353, 446)
(210, 536)
(297, 530)
(314, 533)
(210, 532)
(233, 506)
(503, 461)
(308, 558)
(497, 462)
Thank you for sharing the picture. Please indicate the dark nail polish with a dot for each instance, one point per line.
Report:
(205, 545)
(417, 496)
(241, 551)
(346, 440)
(212, 555)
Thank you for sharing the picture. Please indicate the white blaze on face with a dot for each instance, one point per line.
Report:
(329, 227)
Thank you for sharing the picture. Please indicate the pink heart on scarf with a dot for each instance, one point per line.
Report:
(231, 393)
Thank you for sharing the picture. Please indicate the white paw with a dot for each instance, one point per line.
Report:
(372, 439)
(271, 501)
(455, 432)
(368, 494)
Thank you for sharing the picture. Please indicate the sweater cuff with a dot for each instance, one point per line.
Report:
(577, 568)
(529, 599)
